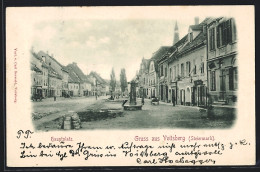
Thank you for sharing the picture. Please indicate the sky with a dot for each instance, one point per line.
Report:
(100, 44)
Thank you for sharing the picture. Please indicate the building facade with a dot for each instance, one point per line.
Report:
(98, 85)
(163, 77)
(174, 70)
(143, 77)
(152, 80)
(82, 79)
(48, 80)
(36, 80)
(187, 68)
(56, 74)
(222, 60)
(74, 88)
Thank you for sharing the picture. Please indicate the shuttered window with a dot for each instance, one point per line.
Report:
(224, 33)
(234, 29)
(233, 78)
(212, 39)
(231, 81)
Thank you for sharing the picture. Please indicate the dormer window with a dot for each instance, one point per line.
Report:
(190, 36)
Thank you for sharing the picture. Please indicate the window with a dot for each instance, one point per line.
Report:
(187, 68)
(161, 73)
(170, 74)
(233, 79)
(174, 72)
(195, 67)
(212, 39)
(212, 81)
(224, 33)
(234, 29)
(178, 73)
(165, 72)
(182, 70)
(202, 68)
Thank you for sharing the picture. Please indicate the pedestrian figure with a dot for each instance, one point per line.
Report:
(210, 111)
(142, 100)
(124, 102)
(173, 101)
(54, 98)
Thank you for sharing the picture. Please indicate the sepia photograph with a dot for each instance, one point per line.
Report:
(95, 86)
(137, 74)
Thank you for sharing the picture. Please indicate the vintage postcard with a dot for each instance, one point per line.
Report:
(130, 86)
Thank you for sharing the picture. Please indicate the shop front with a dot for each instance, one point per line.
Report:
(36, 90)
(173, 92)
(199, 94)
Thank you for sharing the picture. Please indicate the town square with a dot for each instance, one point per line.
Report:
(191, 83)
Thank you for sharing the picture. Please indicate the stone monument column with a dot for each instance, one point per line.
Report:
(133, 93)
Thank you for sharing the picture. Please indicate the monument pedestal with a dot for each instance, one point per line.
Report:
(132, 105)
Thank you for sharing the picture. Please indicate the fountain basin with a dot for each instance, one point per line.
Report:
(132, 107)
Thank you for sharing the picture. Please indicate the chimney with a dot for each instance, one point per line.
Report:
(44, 58)
(74, 63)
(47, 52)
(196, 20)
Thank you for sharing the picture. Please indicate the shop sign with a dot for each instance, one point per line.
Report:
(198, 82)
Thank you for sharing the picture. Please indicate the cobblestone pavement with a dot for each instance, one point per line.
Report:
(150, 117)
(58, 108)
(163, 116)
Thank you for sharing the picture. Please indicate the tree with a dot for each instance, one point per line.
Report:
(123, 80)
(113, 80)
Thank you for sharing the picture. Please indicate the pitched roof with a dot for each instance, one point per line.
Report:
(73, 68)
(146, 63)
(42, 54)
(200, 39)
(160, 52)
(87, 79)
(34, 55)
(98, 77)
(73, 78)
(35, 68)
(158, 55)
(53, 73)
